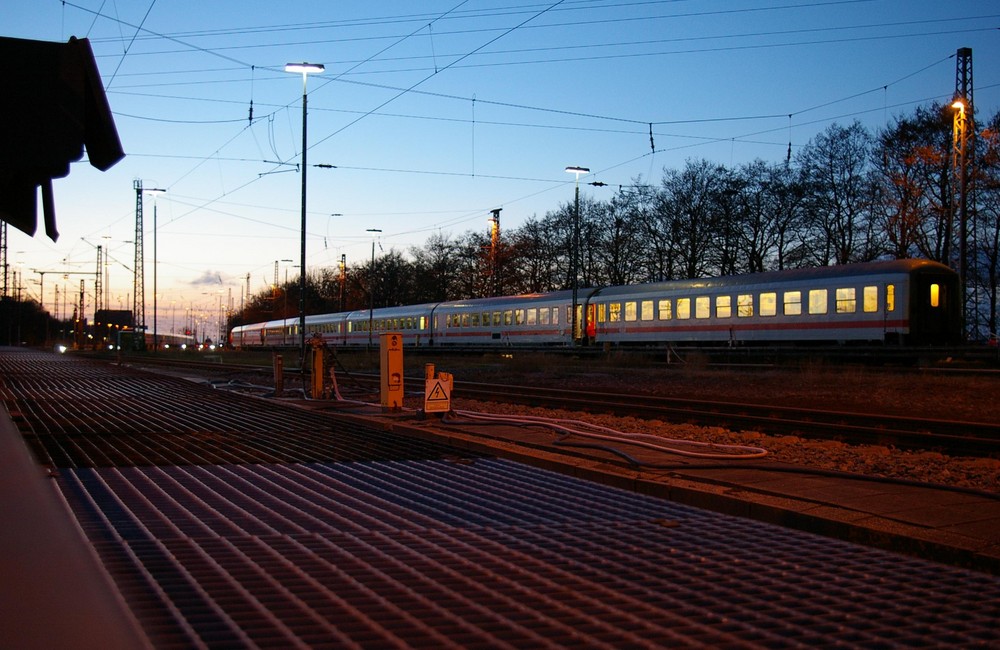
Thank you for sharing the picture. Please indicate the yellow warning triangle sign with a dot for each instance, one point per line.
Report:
(437, 393)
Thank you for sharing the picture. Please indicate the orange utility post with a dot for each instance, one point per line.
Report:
(317, 376)
(391, 366)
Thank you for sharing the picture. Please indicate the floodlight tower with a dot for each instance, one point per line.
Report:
(962, 155)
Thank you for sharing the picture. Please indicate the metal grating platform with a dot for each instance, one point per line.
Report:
(232, 522)
(493, 553)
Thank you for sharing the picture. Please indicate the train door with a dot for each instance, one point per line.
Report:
(934, 310)
(590, 324)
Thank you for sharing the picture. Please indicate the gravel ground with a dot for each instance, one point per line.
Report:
(958, 397)
(924, 466)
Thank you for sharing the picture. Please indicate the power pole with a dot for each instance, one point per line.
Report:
(3, 256)
(962, 155)
(138, 290)
(98, 283)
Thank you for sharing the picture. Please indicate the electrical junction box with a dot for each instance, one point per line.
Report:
(391, 369)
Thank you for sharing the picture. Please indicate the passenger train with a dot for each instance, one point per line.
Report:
(913, 302)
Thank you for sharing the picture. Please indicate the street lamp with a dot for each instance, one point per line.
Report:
(371, 285)
(574, 333)
(959, 161)
(304, 69)
(154, 192)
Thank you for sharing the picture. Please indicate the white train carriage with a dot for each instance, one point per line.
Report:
(363, 327)
(903, 300)
(529, 319)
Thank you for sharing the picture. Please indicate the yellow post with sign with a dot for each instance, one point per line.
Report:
(391, 367)
(437, 390)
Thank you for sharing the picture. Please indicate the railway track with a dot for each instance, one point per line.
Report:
(957, 438)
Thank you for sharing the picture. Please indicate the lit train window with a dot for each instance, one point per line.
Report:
(423, 322)
(723, 306)
(664, 308)
(555, 315)
(847, 303)
(869, 299)
(702, 307)
(465, 320)
(817, 301)
(683, 308)
(630, 311)
(475, 319)
(744, 305)
(532, 316)
(890, 297)
(935, 295)
(486, 319)
(508, 317)
(768, 304)
(792, 303)
(646, 312)
(543, 315)
(496, 319)
(614, 312)
(519, 317)
(602, 313)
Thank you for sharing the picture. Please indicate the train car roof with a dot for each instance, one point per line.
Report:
(817, 273)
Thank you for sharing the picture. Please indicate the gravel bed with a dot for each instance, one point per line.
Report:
(872, 460)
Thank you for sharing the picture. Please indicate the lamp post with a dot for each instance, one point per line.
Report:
(304, 69)
(154, 192)
(959, 162)
(371, 285)
(574, 319)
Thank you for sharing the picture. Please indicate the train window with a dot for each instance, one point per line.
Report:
(496, 319)
(768, 303)
(423, 322)
(614, 312)
(508, 317)
(702, 307)
(817, 301)
(935, 295)
(519, 317)
(723, 306)
(664, 309)
(532, 316)
(555, 315)
(475, 319)
(465, 320)
(792, 303)
(870, 299)
(630, 311)
(890, 297)
(847, 302)
(602, 313)
(543, 316)
(744, 305)
(646, 310)
(683, 308)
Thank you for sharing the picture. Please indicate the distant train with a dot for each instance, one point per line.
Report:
(914, 302)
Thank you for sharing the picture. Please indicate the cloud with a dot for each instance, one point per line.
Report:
(207, 278)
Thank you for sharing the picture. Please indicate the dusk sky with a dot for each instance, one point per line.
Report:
(431, 114)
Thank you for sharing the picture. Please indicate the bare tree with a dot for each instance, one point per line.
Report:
(838, 193)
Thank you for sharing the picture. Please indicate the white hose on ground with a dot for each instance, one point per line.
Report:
(577, 427)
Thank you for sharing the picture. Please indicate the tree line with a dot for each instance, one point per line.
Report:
(848, 195)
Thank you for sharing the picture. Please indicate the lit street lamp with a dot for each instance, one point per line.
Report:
(371, 285)
(304, 69)
(960, 135)
(574, 319)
